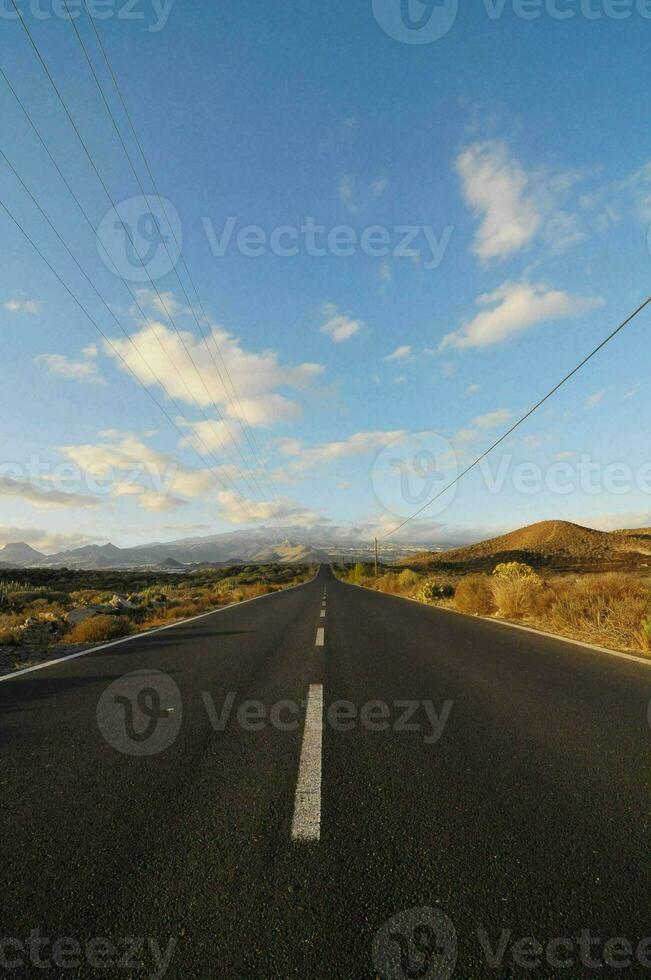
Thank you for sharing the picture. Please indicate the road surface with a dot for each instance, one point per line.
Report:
(470, 786)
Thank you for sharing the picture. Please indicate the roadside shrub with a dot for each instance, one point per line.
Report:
(98, 629)
(254, 590)
(358, 573)
(474, 595)
(408, 579)
(516, 588)
(389, 582)
(431, 590)
(514, 570)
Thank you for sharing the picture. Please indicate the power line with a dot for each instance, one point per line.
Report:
(246, 428)
(113, 205)
(109, 310)
(522, 419)
(104, 336)
(130, 291)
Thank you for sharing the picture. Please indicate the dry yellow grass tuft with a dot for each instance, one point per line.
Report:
(474, 595)
(100, 629)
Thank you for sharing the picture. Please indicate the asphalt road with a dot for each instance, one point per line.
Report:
(470, 786)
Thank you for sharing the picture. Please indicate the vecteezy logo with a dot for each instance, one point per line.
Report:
(140, 238)
(413, 469)
(140, 713)
(420, 944)
(416, 21)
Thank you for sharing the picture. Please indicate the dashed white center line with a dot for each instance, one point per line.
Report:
(306, 824)
(323, 612)
(320, 637)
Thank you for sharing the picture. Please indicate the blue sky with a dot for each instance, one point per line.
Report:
(511, 152)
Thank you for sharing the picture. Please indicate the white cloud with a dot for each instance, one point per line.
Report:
(497, 188)
(355, 194)
(596, 398)
(161, 303)
(477, 426)
(400, 353)
(124, 461)
(471, 390)
(161, 355)
(338, 327)
(638, 185)
(32, 306)
(617, 522)
(514, 308)
(632, 392)
(241, 511)
(77, 370)
(359, 444)
(515, 206)
(159, 503)
(39, 496)
(491, 419)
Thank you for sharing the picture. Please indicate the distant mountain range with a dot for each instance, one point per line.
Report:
(257, 545)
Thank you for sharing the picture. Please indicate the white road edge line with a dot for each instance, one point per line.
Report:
(320, 637)
(138, 636)
(514, 626)
(306, 824)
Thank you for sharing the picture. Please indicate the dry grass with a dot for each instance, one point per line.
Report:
(99, 629)
(611, 610)
(516, 596)
(474, 595)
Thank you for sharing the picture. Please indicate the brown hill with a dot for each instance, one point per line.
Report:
(551, 543)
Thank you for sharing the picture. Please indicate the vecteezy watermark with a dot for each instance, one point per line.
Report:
(420, 243)
(412, 716)
(562, 952)
(142, 955)
(419, 943)
(582, 474)
(413, 469)
(422, 942)
(140, 713)
(425, 21)
(131, 478)
(416, 21)
(140, 238)
(155, 13)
